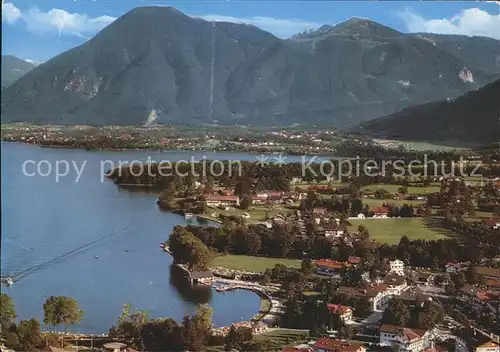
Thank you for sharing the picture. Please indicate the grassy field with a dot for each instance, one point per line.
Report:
(280, 338)
(257, 213)
(378, 202)
(391, 230)
(255, 264)
(277, 339)
(426, 146)
(394, 188)
(479, 216)
(305, 186)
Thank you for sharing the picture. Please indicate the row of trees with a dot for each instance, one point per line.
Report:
(26, 335)
(138, 331)
(288, 242)
(423, 315)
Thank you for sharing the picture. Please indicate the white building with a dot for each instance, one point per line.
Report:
(344, 312)
(470, 344)
(216, 201)
(397, 267)
(396, 284)
(404, 339)
(488, 347)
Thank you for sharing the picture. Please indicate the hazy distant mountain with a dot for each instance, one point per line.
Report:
(157, 65)
(473, 117)
(13, 68)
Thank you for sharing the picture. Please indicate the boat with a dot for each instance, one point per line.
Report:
(8, 281)
(188, 215)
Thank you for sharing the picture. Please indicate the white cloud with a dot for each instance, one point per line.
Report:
(283, 28)
(471, 22)
(55, 20)
(64, 22)
(10, 13)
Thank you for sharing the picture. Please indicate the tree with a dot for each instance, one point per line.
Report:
(246, 202)
(307, 266)
(7, 312)
(29, 335)
(61, 310)
(188, 249)
(397, 313)
(450, 289)
(129, 327)
(162, 335)
(356, 206)
(197, 327)
(458, 280)
(403, 190)
(471, 275)
(235, 338)
(362, 306)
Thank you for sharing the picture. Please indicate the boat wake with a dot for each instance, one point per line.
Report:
(9, 280)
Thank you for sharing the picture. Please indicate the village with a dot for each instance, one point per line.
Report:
(415, 286)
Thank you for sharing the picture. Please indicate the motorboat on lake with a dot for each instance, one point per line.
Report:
(8, 281)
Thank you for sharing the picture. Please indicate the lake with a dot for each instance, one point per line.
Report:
(44, 218)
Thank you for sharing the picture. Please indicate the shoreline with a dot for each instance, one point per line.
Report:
(213, 151)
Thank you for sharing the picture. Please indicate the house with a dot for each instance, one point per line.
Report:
(467, 340)
(329, 267)
(396, 284)
(493, 224)
(493, 284)
(397, 267)
(332, 230)
(489, 346)
(217, 201)
(474, 296)
(259, 328)
(260, 198)
(354, 260)
(401, 338)
(320, 188)
(380, 212)
(319, 213)
(331, 345)
(376, 295)
(116, 347)
(292, 195)
(300, 348)
(274, 197)
(344, 312)
(488, 273)
(201, 277)
(414, 297)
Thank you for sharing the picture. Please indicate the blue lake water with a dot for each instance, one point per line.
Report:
(43, 218)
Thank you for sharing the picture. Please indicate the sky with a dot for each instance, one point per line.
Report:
(39, 30)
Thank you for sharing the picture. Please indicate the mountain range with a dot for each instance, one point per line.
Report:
(473, 117)
(158, 65)
(13, 68)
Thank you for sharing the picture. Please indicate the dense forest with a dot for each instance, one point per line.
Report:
(472, 117)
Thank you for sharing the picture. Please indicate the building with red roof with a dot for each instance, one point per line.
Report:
(331, 345)
(405, 339)
(344, 312)
(216, 201)
(330, 267)
(380, 212)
